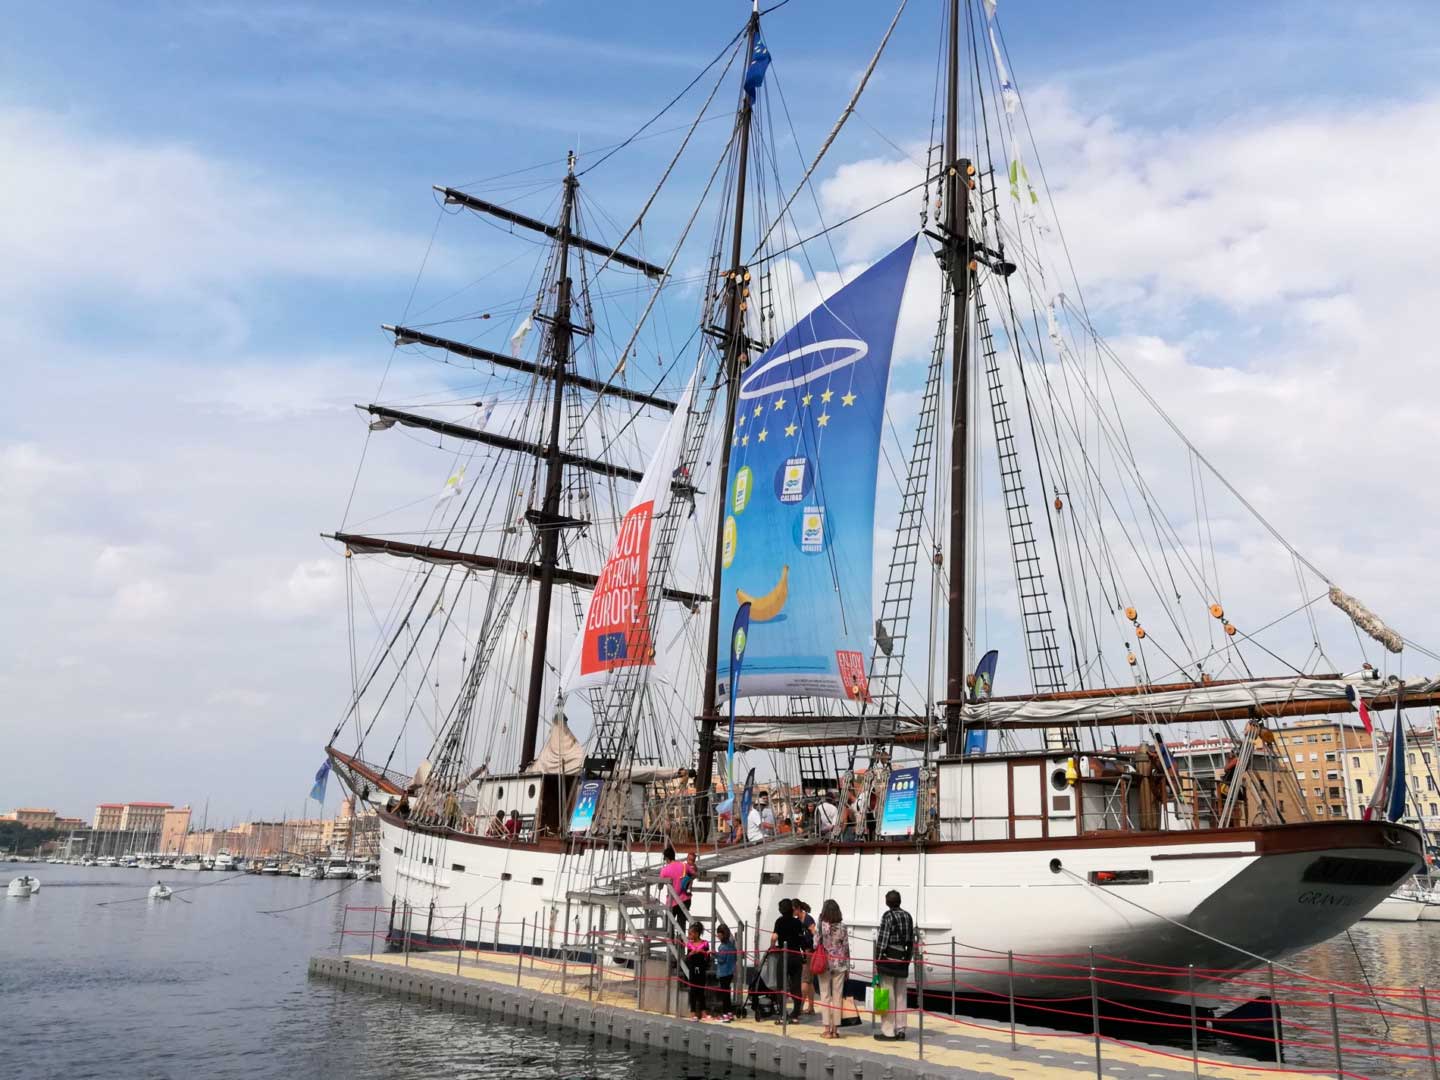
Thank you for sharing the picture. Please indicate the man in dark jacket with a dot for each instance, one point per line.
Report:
(789, 939)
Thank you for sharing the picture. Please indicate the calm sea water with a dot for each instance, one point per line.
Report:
(214, 987)
(99, 982)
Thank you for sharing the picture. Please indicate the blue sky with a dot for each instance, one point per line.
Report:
(209, 209)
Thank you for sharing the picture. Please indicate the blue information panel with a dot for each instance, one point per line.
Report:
(902, 801)
(585, 804)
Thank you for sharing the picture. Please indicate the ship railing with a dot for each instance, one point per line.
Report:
(1270, 1011)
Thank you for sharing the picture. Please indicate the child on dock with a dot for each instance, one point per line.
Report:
(697, 969)
(726, 956)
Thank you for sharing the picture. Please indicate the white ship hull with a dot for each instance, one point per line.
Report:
(1263, 892)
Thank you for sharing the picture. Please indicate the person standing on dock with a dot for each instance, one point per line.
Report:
(834, 942)
(789, 938)
(697, 970)
(811, 984)
(894, 949)
(727, 954)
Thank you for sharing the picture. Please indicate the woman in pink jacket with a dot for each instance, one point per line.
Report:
(676, 895)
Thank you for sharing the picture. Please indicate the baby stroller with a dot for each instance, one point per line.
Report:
(765, 1001)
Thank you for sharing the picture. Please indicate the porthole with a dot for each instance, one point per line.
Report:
(1058, 780)
(532, 791)
(499, 792)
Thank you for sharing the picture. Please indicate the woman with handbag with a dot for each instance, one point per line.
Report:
(831, 963)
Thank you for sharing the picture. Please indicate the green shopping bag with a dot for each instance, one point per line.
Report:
(882, 998)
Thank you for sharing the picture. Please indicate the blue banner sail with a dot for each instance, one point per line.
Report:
(799, 529)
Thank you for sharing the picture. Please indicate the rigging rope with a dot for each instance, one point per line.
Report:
(688, 87)
(308, 903)
(839, 224)
(834, 131)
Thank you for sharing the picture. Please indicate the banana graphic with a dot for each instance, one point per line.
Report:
(764, 608)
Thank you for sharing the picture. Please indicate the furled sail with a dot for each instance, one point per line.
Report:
(1119, 706)
(562, 754)
(1197, 701)
(800, 493)
(616, 631)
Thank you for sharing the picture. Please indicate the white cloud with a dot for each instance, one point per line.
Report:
(142, 601)
(161, 218)
(311, 588)
(27, 469)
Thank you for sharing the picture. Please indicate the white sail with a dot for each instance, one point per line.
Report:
(615, 632)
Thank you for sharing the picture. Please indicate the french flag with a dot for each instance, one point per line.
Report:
(1355, 699)
(1390, 787)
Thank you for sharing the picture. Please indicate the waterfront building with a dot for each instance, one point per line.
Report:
(1333, 760)
(143, 817)
(107, 817)
(32, 818)
(174, 825)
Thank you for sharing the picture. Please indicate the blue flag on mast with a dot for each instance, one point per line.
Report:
(317, 792)
(755, 73)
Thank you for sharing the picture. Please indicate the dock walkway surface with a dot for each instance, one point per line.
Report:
(540, 992)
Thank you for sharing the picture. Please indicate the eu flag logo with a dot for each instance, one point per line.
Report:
(612, 646)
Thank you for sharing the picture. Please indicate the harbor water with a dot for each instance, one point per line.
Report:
(100, 981)
(214, 982)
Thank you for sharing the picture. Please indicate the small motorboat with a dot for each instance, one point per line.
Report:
(22, 887)
(161, 891)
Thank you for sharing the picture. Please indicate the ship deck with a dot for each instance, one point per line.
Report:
(543, 992)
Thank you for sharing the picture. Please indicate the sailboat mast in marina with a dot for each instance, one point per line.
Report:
(778, 553)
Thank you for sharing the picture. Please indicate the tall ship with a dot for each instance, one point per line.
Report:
(902, 548)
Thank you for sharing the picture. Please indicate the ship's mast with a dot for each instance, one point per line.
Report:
(734, 349)
(546, 520)
(549, 521)
(957, 261)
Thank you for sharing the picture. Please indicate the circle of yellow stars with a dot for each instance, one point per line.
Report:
(759, 417)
